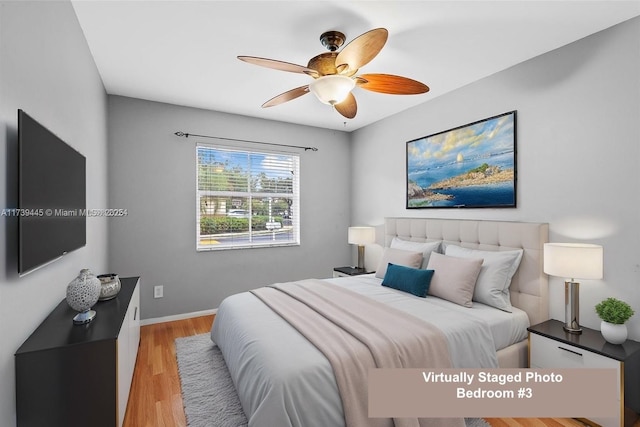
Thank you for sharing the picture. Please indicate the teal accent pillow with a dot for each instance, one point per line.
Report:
(407, 279)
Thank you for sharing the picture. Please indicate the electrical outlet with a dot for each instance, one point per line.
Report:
(158, 291)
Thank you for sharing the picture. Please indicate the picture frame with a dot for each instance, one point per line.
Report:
(470, 166)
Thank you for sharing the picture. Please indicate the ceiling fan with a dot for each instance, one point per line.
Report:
(334, 73)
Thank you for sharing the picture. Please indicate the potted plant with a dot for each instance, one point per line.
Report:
(614, 313)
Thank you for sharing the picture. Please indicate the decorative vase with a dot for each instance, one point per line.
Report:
(109, 286)
(615, 334)
(82, 294)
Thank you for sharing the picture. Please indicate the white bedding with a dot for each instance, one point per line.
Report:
(283, 380)
(506, 328)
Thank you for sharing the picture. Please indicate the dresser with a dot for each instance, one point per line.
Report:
(78, 375)
(551, 347)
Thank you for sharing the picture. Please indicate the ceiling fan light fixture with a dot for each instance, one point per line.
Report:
(334, 72)
(332, 89)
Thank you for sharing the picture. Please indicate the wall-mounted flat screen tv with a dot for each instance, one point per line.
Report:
(51, 196)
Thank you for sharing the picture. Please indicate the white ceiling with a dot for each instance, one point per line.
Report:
(184, 52)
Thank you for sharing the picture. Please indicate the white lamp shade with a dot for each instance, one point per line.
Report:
(362, 235)
(332, 89)
(573, 260)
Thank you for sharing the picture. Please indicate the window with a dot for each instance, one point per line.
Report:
(246, 198)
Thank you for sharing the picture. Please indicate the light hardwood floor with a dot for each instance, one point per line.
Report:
(534, 422)
(155, 399)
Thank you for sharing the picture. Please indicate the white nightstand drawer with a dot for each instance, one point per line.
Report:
(548, 353)
(552, 347)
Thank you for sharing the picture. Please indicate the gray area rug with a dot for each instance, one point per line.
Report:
(208, 394)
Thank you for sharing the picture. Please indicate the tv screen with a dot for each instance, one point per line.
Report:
(51, 196)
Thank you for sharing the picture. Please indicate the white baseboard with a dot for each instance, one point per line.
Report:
(155, 320)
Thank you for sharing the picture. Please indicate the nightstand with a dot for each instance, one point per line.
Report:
(551, 347)
(349, 271)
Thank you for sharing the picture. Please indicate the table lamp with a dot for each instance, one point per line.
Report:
(573, 261)
(361, 236)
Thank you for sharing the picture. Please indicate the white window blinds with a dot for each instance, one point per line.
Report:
(246, 198)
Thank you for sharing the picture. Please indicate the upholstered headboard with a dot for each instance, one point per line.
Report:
(529, 287)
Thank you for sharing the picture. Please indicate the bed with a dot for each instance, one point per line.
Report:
(284, 380)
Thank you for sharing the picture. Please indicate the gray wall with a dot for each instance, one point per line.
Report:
(578, 156)
(47, 70)
(153, 176)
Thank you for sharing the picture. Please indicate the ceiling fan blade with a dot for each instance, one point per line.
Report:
(349, 107)
(388, 83)
(277, 65)
(361, 50)
(286, 96)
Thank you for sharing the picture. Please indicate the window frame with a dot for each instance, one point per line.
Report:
(250, 195)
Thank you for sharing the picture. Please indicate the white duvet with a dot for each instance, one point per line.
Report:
(284, 381)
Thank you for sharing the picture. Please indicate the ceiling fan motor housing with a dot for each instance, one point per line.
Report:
(332, 40)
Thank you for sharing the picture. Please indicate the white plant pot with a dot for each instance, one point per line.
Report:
(615, 334)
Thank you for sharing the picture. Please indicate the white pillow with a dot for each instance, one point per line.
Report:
(453, 278)
(398, 257)
(425, 247)
(498, 268)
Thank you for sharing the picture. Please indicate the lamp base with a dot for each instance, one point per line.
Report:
(572, 307)
(572, 330)
(361, 257)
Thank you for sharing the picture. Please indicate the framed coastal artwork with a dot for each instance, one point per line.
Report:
(471, 166)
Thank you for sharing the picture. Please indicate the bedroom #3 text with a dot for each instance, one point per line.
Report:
(561, 393)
